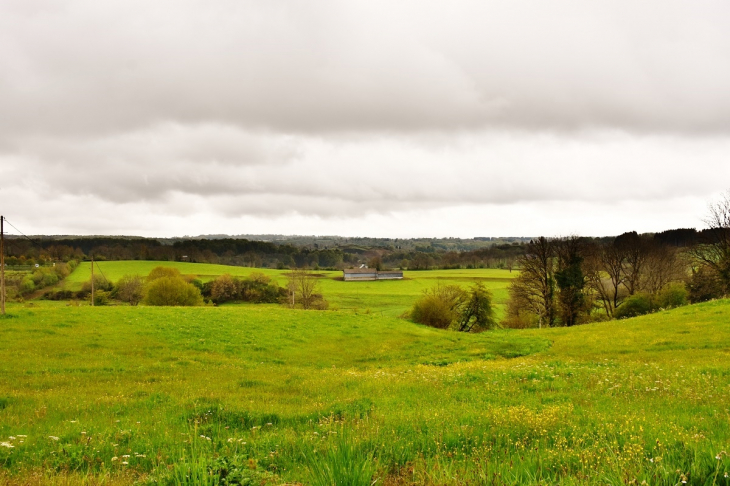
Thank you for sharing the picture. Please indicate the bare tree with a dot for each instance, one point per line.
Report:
(607, 271)
(533, 290)
(635, 250)
(664, 265)
(713, 252)
(303, 289)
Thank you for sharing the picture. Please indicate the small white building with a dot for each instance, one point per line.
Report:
(353, 274)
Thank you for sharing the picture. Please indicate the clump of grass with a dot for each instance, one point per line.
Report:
(343, 462)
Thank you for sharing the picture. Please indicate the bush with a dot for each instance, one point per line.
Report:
(447, 306)
(172, 291)
(635, 305)
(101, 297)
(100, 283)
(673, 295)
(130, 289)
(26, 285)
(59, 295)
(162, 272)
(224, 288)
(705, 284)
(430, 310)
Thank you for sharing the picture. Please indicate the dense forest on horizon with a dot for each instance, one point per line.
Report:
(276, 251)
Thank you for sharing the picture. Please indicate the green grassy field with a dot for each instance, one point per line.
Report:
(113, 395)
(391, 298)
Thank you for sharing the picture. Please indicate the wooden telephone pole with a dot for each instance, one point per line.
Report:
(92, 280)
(2, 264)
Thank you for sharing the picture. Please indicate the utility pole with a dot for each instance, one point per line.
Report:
(2, 265)
(92, 280)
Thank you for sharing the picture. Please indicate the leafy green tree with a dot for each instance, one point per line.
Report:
(571, 280)
(704, 284)
(477, 313)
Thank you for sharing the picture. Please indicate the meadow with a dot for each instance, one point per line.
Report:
(262, 393)
(391, 298)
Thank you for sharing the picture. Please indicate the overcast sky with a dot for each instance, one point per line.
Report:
(362, 118)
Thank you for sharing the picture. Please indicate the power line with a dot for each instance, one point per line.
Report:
(102, 273)
(43, 249)
(24, 235)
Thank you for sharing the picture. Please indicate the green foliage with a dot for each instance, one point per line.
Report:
(101, 297)
(476, 313)
(27, 285)
(130, 289)
(639, 399)
(162, 272)
(450, 306)
(256, 288)
(175, 291)
(673, 295)
(635, 305)
(705, 284)
(439, 306)
(343, 462)
(100, 283)
(570, 281)
(391, 298)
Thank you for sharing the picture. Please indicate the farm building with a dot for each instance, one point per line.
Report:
(352, 274)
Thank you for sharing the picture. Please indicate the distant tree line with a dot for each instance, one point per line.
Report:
(261, 254)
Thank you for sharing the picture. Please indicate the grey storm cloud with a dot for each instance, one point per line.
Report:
(353, 110)
(85, 66)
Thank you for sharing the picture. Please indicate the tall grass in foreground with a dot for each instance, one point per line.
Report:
(343, 462)
(252, 395)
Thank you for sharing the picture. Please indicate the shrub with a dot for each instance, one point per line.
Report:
(224, 288)
(172, 291)
(44, 277)
(705, 284)
(635, 305)
(26, 285)
(429, 310)
(673, 295)
(59, 295)
(130, 289)
(101, 297)
(62, 270)
(439, 307)
(161, 272)
(100, 283)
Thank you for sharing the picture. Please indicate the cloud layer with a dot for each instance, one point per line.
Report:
(333, 116)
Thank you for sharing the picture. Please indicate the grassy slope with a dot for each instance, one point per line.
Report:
(387, 297)
(606, 403)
